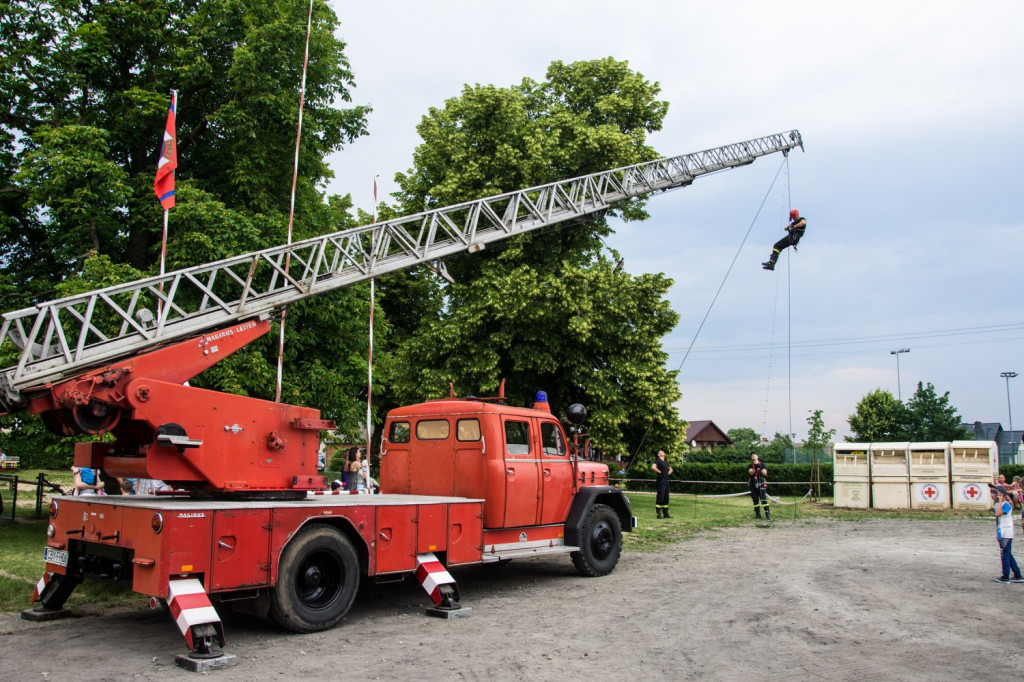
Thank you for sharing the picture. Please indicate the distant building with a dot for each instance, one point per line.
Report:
(704, 434)
(1009, 442)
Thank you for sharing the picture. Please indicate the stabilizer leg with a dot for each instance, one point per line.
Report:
(199, 624)
(440, 585)
(51, 592)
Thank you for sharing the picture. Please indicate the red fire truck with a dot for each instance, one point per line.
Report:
(463, 481)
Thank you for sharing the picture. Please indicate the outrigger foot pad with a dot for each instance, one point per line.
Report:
(202, 665)
(40, 614)
(449, 613)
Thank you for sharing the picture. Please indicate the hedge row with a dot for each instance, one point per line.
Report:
(1011, 470)
(736, 475)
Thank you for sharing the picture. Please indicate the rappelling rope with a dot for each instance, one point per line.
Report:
(771, 357)
(789, 308)
(715, 299)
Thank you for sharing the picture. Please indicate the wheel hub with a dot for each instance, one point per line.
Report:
(313, 577)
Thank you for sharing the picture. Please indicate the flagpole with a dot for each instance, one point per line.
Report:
(369, 378)
(163, 199)
(291, 210)
(163, 240)
(163, 260)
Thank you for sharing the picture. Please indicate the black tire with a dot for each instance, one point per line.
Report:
(317, 580)
(600, 542)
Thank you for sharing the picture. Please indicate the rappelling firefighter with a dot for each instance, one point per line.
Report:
(794, 231)
(758, 483)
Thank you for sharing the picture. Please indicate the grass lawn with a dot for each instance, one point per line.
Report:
(21, 566)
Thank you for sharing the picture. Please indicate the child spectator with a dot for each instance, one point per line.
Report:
(1003, 509)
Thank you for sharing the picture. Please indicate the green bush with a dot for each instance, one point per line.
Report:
(1011, 470)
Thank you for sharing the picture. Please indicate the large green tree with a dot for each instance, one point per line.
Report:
(550, 310)
(85, 88)
(930, 417)
(878, 417)
(926, 416)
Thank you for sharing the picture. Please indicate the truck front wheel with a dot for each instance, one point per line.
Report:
(317, 580)
(600, 542)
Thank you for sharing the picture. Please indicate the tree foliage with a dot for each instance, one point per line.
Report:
(930, 417)
(744, 441)
(551, 310)
(926, 416)
(85, 88)
(817, 437)
(878, 418)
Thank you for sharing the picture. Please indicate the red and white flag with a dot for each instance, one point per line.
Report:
(164, 183)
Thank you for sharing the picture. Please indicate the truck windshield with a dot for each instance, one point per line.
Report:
(552, 437)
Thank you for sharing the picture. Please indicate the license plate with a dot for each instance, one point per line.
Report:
(58, 557)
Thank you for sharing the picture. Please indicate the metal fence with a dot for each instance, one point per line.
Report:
(28, 495)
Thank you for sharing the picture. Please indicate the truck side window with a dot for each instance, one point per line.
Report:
(399, 432)
(517, 438)
(467, 430)
(433, 429)
(551, 436)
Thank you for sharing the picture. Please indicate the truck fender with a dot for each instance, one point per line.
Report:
(586, 498)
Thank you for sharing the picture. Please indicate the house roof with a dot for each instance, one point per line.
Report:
(706, 431)
(984, 430)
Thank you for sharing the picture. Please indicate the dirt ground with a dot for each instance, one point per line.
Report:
(830, 600)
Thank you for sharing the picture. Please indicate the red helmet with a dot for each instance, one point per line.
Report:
(794, 213)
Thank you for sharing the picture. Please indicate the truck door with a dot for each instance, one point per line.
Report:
(522, 474)
(556, 474)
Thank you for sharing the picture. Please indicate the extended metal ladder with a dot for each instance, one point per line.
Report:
(59, 338)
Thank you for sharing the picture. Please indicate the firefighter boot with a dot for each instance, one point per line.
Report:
(665, 511)
(658, 509)
(767, 513)
(757, 512)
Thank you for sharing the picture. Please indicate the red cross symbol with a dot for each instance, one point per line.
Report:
(930, 492)
(972, 492)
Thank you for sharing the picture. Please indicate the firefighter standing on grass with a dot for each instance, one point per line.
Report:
(664, 471)
(758, 486)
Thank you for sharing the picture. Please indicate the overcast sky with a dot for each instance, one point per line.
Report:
(911, 114)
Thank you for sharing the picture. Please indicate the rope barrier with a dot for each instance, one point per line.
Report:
(774, 499)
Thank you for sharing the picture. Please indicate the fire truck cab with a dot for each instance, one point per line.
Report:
(537, 491)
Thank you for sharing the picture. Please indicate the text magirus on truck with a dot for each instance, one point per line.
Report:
(464, 481)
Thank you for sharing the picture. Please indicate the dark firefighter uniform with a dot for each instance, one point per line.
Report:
(794, 231)
(661, 501)
(759, 490)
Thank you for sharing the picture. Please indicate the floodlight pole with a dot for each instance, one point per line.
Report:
(1009, 412)
(897, 353)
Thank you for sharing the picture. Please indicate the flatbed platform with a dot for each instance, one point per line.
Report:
(178, 503)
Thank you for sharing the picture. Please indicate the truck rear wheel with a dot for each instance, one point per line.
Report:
(317, 580)
(600, 542)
